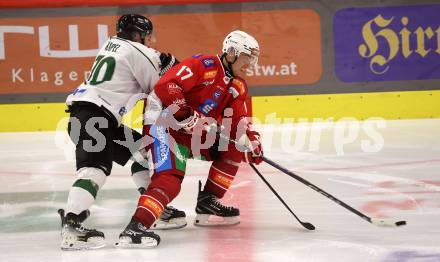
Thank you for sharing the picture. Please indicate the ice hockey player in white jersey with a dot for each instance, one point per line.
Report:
(125, 70)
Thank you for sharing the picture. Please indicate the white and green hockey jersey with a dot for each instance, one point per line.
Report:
(123, 72)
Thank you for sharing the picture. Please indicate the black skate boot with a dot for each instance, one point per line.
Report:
(171, 218)
(135, 235)
(210, 212)
(76, 237)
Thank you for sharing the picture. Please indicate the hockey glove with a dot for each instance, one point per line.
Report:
(199, 121)
(167, 61)
(252, 141)
(187, 125)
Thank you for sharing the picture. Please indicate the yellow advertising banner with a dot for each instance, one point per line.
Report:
(54, 54)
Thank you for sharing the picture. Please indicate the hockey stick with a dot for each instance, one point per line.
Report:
(383, 222)
(307, 225)
(375, 221)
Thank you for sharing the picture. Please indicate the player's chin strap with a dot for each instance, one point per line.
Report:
(228, 69)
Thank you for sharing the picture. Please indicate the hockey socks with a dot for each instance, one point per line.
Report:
(220, 178)
(152, 203)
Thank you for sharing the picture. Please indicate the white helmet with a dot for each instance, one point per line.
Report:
(242, 42)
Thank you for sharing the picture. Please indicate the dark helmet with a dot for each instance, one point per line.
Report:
(127, 24)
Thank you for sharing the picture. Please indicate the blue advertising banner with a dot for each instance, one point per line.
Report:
(387, 43)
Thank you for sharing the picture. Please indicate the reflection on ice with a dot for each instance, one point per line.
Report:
(399, 181)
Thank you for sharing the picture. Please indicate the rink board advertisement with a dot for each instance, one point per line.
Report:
(53, 55)
(344, 59)
(387, 43)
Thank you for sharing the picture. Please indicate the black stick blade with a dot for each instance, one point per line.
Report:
(400, 223)
(386, 222)
(308, 225)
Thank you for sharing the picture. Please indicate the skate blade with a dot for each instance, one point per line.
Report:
(174, 223)
(212, 220)
(125, 242)
(93, 243)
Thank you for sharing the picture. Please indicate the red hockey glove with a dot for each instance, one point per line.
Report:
(252, 141)
(187, 125)
(198, 122)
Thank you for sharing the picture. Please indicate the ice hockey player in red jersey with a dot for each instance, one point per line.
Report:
(196, 92)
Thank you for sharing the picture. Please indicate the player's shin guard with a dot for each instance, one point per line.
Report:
(221, 175)
(74, 236)
(161, 191)
(150, 207)
(136, 234)
(83, 192)
(171, 218)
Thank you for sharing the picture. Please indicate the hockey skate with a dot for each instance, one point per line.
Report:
(210, 212)
(74, 236)
(135, 235)
(171, 218)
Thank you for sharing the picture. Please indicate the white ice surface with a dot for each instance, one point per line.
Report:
(401, 181)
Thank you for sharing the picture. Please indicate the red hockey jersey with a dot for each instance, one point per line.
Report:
(201, 83)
